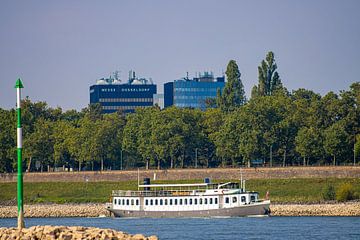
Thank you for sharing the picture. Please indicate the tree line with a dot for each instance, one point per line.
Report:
(274, 127)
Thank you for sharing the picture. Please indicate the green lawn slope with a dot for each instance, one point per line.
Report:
(281, 190)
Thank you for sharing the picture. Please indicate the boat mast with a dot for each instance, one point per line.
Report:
(241, 179)
(138, 173)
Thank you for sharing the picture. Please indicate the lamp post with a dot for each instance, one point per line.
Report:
(21, 224)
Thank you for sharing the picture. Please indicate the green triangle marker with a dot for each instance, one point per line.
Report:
(19, 84)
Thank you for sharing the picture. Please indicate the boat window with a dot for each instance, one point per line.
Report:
(115, 201)
(175, 201)
(227, 200)
(161, 202)
(137, 201)
(190, 201)
(195, 201)
(206, 200)
(252, 198)
(123, 202)
(170, 201)
(132, 201)
(151, 202)
(185, 201)
(127, 202)
(211, 201)
(200, 201)
(165, 201)
(180, 201)
(146, 202)
(243, 198)
(234, 199)
(216, 201)
(156, 202)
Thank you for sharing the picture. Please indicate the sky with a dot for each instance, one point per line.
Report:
(60, 48)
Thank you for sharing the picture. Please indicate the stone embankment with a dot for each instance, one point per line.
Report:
(332, 209)
(56, 210)
(190, 174)
(67, 233)
(95, 210)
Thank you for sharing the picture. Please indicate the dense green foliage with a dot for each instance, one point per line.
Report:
(329, 193)
(233, 95)
(346, 192)
(281, 190)
(275, 127)
(269, 79)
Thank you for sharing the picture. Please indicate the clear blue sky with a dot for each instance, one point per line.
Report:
(60, 48)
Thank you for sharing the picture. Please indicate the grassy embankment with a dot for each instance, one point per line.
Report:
(281, 190)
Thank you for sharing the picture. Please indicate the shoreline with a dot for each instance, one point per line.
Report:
(98, 210)
(67, 233)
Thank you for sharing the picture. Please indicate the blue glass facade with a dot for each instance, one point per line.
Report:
(125, 97)
(191, 93)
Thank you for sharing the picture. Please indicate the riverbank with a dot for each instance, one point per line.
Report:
(189, 174)
(96, 210)
(67, 233)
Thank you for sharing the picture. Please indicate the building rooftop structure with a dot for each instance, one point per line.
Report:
(113, 95)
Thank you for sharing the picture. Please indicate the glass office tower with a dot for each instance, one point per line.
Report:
(192, 93)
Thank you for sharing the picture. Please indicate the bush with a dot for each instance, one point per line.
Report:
(345, 192)
(329, 193)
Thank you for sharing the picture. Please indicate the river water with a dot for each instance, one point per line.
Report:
(217, 228)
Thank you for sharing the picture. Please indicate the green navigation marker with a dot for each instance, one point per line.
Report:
(20, 198)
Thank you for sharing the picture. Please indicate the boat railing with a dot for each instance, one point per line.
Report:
(154, 193)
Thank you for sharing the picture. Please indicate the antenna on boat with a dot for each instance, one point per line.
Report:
(242, 182)
(241, 179)
(138, 173)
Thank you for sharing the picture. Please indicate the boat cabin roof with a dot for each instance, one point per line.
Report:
(230, 185)
(175, 185)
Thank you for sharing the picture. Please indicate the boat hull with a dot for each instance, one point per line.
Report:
(255, 209)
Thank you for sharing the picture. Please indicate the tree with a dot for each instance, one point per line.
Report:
(39, 145)
(331, 109)
(335, 140)
(93, 111)
(233, 94)
(212, 121)
(7, 140)
(357, 148)
(309, 143)
(130, 138)
(61, 135)
(145, 146)
(269, 79)
(109, 137)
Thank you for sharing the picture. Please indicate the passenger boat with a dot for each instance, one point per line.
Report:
(188, 200)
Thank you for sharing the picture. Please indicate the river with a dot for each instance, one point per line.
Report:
(217, 228)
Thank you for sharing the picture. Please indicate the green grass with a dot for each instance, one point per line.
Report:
(281, 190)
(308, 190)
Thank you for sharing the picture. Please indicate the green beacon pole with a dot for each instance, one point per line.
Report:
(20, 202)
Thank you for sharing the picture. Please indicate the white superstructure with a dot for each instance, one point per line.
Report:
(170, 200)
